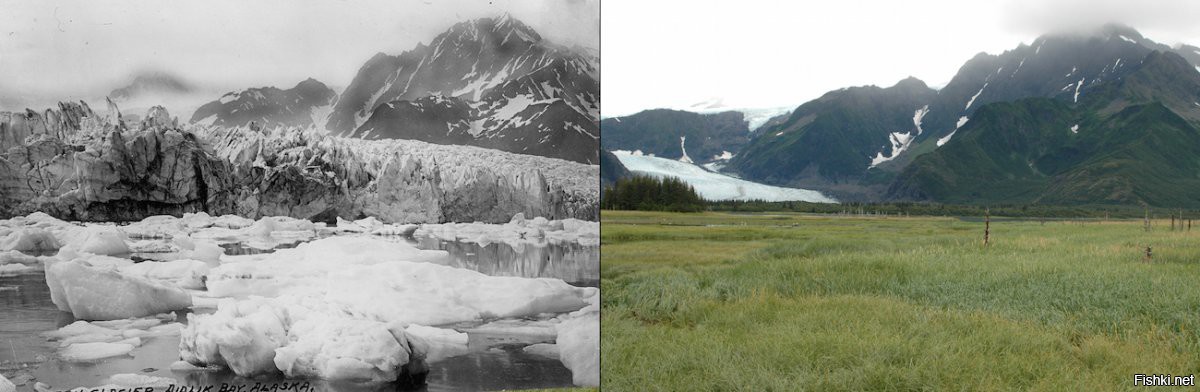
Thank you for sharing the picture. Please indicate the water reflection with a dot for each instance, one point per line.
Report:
(576, 264)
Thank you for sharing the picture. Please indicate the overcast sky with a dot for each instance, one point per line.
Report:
(60, 48)
(766, 53)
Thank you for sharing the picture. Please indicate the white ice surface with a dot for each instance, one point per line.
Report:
(105, 293)
(336, 308)
(579, 343)
(714, 186)
(517, 231)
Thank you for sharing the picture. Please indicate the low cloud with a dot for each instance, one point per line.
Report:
(76, 48)
(1166, 21)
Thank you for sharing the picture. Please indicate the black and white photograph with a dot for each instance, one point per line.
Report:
(318, 195)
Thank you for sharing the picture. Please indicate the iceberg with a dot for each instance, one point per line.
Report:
(101, 240)
(89, 352)
(264, 336)
(517, 231)
(104, 293)
(579, 343)
(28, 240)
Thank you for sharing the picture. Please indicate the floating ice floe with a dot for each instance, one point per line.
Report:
(353, 308)
(437, 343)
(263, 336)
(102, 240)
(548, 350)
(103, 292)
(578, 343)
(84, 341)
(14, 263)
(517, 231)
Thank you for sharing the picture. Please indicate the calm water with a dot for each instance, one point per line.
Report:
(492, 362)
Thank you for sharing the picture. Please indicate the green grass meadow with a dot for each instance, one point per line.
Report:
(714, 301)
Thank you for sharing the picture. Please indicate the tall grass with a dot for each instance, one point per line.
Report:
(784, 302)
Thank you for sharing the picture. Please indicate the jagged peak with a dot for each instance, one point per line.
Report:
(503, 27)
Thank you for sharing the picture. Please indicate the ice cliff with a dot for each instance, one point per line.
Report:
(76, 164)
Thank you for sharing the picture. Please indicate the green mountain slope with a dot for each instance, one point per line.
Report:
(1132, 140)
(832, 139)
(659, 132)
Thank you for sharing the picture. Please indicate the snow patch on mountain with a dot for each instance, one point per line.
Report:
(713, 186)
(685, 158)
(1077, 87)
(900, 142)
(918, 116)
(975, 96)
(961, 121)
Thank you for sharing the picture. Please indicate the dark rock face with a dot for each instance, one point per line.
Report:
(301, 106)
(611, 169)
(522, 94)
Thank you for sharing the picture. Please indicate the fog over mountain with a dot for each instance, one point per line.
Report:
(59, 50)
(772, 54)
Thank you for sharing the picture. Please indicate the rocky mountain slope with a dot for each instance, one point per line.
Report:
(611, 169)
(306, 104)
(854, 142)
(675, 134)
(1131, 140)
(76, 164)
(834, 140)
(491, 82)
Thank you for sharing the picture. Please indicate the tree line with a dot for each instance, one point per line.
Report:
(648, 193)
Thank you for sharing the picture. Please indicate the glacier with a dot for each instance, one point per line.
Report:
(715, 186)
(76, 164)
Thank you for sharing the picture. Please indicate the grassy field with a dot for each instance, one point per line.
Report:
(792, 302)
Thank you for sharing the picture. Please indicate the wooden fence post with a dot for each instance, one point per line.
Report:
(987, 225)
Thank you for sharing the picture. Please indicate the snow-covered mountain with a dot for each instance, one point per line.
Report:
(714, 186)
(306, 104)
(491, 82)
